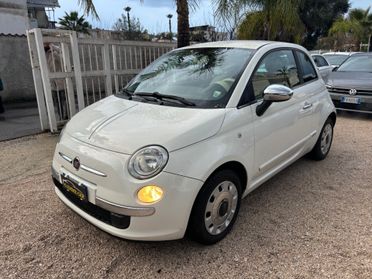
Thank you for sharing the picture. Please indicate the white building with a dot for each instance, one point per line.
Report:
(17, 16)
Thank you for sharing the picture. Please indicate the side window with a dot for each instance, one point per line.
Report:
(317, 61)
(320, 61)
(278, 67)
(308, 70)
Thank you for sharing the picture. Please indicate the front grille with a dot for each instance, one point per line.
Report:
(346, 91)
(110, 218)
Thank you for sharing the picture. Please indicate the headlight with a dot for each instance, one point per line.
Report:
(148, 162)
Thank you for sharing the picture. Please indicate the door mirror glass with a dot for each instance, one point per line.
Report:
(277, 93)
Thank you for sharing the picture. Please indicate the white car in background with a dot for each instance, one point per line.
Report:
(190, 136)
(335, 59)
(323, 66)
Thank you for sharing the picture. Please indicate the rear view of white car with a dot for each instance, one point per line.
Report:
(190, 136)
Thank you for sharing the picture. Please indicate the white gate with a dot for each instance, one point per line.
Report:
(71, 73)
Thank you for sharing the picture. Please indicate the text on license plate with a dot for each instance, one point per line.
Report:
(79, 191)
(350, 100)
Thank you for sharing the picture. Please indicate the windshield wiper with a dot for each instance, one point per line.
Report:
(162, 97)
(127, 92)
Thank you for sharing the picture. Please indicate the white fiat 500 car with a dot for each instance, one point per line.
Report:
(190, 136)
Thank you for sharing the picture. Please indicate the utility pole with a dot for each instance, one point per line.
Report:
(127, 9)
(169, 16)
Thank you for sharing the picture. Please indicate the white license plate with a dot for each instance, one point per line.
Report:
(350, 100)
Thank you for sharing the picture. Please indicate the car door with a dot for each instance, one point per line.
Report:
(278, 134)
(308, 94)
(324, 68)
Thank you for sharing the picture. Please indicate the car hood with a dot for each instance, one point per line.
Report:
(125, 126)
(357, 80)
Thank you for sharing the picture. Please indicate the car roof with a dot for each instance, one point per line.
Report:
(249, 44)
(338, 53)
(362, 54)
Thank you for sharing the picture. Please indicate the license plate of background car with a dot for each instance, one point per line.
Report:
(350, 100)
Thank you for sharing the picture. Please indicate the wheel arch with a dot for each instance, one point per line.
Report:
(236, 167)
(333, 117)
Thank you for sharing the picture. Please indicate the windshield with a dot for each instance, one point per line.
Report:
(357, 63)
(335, 59)
(205, 77)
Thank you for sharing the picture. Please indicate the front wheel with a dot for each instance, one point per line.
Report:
(216, 208)
(323, 145)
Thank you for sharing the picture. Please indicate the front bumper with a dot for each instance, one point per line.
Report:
(365, 105)
(115, 195)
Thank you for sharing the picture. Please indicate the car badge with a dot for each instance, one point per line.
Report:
(353, 91)
(76, 163)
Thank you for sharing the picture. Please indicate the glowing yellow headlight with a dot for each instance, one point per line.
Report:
(150, 194)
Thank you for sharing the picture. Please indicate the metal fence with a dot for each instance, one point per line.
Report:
(71, 73)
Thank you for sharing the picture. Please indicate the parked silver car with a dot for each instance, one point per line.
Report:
(350, 85)
(337, 58)
(323, 66)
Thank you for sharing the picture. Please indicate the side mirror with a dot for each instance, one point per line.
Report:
(274, 93)
(335, 69)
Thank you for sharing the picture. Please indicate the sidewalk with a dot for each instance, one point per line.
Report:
(19, 120)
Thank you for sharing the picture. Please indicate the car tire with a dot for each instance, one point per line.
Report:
(324, 142)
(215, 208)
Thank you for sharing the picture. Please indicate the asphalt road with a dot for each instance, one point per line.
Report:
(313, 220)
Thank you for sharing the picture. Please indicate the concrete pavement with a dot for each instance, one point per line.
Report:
(19, 120)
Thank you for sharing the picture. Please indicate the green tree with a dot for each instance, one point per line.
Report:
(364, 20)
(301, 21)
(344, 33)
(267, 19)
(318, 17)
(183, 26)
(89, 8)
(134, 31)
(73, 21)
(354, 29)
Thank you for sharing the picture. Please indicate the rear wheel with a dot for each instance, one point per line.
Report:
(216, 208)
(323, 145)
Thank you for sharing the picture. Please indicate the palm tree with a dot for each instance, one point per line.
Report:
(127, 10)
(267, 19)
(364, 19)
(356, 28)
(89, 8)
(183, 36)
(169, 16)
(75, 22)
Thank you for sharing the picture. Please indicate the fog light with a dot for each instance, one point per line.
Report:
(150, 194)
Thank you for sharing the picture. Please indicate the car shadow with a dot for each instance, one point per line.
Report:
(354, 115)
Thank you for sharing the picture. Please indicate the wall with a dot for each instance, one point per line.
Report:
(13, 17)
(15, 69)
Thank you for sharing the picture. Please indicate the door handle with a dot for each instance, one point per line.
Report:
(307, 106)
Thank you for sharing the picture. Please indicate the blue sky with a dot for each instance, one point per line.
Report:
(152, 13)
